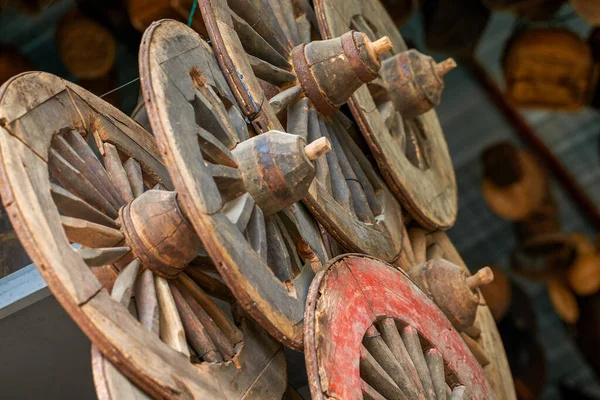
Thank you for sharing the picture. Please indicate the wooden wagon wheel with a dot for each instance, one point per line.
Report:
(395, 114)
(74, 170)
(432, 262)
(279, 76)
(370, 332)
(240, 192)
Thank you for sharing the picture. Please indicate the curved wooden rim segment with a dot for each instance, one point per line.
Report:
(431, 195)
(249, 277)
(351, 294)
(33, 108)
(382, 240)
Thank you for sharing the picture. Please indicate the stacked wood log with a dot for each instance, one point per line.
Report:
(569, 263)
(549, 68)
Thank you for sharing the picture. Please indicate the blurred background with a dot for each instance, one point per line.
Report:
(520, 119)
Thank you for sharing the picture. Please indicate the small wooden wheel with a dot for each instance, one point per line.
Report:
(371, 332)
(476, 324)
(281, 78)
(74, 178)
(240, 192)
(406, 139)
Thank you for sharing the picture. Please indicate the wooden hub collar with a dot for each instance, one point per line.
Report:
(159, 233)
(330, 71)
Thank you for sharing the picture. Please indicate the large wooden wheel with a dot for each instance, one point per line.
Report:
(406, 140)
(280, 78)
(240, 192)
(475, 322)
(75, 178)
(371, 333)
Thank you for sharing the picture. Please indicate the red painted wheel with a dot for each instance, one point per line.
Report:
(371, 332)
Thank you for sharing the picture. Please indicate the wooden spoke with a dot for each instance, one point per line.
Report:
(171, 328)
(239, 210)
(359, 199)
(365, 173)
(103, 256)
(269, 72)
(372, 373)
(90, 234)
(435, 363)
(222, 343)
(82, 148)
(322, 164)
(410, 337)
(369, 393)
(304, 28)
(277, 12)
(212, 284)
(297, 118)
(214, 151)
(376, 346)
(196, 333)
(391, 336)
(116, 171)
(339, 186)
(359, 23)
(290, 245)
(418, 244)
(134, 174)
(228, 180)
(63, 148)
(74, 181)
(72, 206)
(212, 116)
(278, 256)
(387, 112)
(123, 287)
(283, 100)
(265, 25)
(459, 393)
(146, 301)
(287, 9)
(257, 233)
(231, 332)
(256, 45)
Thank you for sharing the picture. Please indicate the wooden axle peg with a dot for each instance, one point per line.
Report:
(482, 277)
(159, 233)
(316, 149)
(451, 289)
(414, 81)
(330, 71)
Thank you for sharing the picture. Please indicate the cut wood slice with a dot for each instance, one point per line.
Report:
(371, 332)
(74, 179)
(468, 310)
(240, 192)
(409, 146)
(282, 80)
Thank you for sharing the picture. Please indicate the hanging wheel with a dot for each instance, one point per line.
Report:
(395, 114)
(433, 263)
(75, 178)
(370, 332)
(240, 192)
(280, 78)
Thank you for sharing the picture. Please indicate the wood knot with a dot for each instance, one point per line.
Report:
(198, 77)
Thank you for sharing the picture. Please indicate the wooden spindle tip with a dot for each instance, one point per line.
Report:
(198, 78)
(381, 45)
(445, 66)
(482, 277)
(317, 148)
